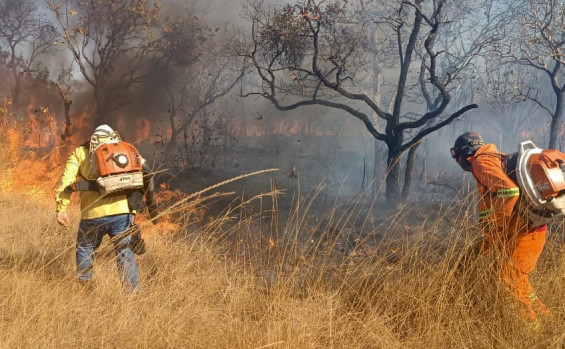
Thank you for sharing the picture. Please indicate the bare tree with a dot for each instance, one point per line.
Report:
(193, 70)
(463, 40)
(315, 53)
(205, 81)
(25, 35)
(112, 43)
(535, 41)
(500, 90)
(65, 87)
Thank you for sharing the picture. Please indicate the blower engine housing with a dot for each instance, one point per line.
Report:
(118, 167)
(541, 177)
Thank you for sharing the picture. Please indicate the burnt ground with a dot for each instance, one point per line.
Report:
(343, 214)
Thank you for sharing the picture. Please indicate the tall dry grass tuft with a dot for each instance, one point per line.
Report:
(354, 276)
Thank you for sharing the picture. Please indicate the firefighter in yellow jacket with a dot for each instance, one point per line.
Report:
(516, 245)
(100, 215)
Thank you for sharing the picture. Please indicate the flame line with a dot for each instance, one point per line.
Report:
(200, 192)
(178, 205)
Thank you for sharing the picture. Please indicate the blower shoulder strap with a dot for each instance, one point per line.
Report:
(511, 166)
(86, 185)
(508, 161)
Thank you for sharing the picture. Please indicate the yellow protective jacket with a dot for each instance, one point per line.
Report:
(498, 195)
(92, 205)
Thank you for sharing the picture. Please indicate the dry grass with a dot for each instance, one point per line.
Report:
(244, 281)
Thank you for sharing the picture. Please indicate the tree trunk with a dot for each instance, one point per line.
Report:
(176, 131)
(392, 175)
(424, 173)
(556, 121)
(67, 103)
(67, 130)
(378, 161)
(408, 172)
(17, 90)
(17, 86)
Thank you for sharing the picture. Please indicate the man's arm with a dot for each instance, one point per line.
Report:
(497, 205)
(62, 199)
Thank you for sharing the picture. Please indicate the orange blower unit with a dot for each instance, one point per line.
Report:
(541, 177)
(118, 167)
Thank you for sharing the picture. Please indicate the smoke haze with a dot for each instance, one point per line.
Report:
(315, 144)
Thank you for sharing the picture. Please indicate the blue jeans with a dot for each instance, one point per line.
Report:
(90, 234)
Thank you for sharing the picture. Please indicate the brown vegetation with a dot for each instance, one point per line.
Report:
(239, 281)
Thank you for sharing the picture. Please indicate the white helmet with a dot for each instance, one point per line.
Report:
(103, 134)
(103, 131)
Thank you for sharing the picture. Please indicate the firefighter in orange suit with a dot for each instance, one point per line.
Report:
(506, 232)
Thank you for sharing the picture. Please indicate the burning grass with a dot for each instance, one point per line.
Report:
(246, 280)
(33, 175)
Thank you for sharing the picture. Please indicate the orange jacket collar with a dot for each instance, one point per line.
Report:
(487, 148)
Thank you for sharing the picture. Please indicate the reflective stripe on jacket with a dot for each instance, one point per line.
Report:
(92, 205)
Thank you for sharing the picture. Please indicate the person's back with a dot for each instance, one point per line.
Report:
(100, 215)
(92, 203)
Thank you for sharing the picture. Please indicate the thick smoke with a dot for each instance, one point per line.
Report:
(311, 144)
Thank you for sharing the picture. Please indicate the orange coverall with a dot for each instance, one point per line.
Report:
(517, 245)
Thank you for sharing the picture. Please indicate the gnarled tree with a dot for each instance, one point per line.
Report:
(501, 89)
(535, 42)
(316, 53)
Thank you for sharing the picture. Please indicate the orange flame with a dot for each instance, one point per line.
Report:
(33, 176)
(13, 144)
(41, 127)
(37, 154)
